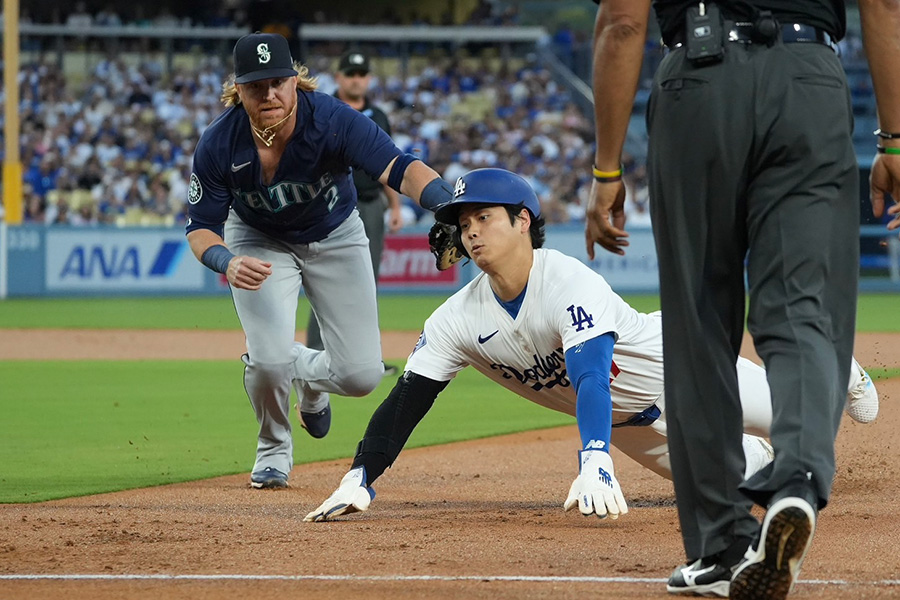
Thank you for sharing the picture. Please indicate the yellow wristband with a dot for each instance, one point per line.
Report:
(606, 174)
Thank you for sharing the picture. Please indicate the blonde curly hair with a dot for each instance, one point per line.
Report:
(305, 83)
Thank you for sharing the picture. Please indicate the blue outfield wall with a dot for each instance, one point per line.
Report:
(101, 261)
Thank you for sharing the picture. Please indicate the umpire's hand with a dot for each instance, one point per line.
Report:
(607, 201)
(885, 179)
(247, 273)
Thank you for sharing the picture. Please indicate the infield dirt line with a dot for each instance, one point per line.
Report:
(376, 578)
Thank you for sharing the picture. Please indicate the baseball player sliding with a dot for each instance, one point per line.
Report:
(548, 328)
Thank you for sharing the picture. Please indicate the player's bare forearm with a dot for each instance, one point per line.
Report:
(415, 178)
(619, 34)
(202, 240)
(244, 272)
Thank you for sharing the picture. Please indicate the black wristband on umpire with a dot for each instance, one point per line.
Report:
(217, 258)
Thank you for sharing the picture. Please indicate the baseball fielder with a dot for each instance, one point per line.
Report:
(277, 164)
(548, 328)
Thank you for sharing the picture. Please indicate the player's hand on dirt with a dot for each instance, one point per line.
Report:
(605, 218)
(247, 272)
(885, 179)
(353, 495)
(596, 490)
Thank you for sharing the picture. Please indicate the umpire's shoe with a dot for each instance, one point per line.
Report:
(770, 570)
(268, 479)
(709, 576)
(701, 579)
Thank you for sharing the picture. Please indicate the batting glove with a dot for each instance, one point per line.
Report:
(353, 495)
(596, 490)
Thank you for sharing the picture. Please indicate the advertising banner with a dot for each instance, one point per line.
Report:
(118, 261)
(636, 272)
(408, 263)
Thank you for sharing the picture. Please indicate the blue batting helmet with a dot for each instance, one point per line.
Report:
(488, 186)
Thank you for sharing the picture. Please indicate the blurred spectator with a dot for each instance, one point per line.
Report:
(79, 18)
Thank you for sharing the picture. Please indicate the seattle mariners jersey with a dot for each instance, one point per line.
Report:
(312, 191)
(565, 304)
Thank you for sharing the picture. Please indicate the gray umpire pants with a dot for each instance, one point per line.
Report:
(372, 215)
(336, 275)
(751, 159)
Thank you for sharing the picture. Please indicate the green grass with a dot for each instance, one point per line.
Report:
(71, 428)
(84, 427)
(396, 312)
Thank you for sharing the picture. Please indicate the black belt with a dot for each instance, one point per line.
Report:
(642, 419)
(745, 33)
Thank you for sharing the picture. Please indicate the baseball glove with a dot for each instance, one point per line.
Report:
(444, 244)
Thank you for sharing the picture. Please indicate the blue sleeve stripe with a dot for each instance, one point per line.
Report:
(588, 366)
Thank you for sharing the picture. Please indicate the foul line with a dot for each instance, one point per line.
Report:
(370, 578)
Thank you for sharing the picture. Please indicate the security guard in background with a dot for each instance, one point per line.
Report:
(353, 79)
(750, 158)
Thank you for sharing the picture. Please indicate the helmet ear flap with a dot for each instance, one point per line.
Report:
(457, 241)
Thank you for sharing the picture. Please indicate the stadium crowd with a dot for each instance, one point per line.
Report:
(117, 149)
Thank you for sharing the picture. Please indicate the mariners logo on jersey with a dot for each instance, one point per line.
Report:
(264, 55)
(195, 192)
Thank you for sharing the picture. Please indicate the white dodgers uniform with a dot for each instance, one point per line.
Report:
(566, 304)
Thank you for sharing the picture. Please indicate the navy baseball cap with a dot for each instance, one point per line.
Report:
(262, 56)
(488, 186)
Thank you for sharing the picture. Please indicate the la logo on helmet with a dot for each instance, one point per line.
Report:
(264, 54)
(460, 188)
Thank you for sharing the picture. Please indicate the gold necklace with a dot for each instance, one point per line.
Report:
(268, 134)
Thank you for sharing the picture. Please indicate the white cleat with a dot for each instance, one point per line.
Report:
(757, 453)
(862, 397)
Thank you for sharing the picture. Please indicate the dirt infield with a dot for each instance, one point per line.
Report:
(474, 519)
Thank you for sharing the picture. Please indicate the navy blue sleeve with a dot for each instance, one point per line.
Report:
(361, 142)
(208, 197)
(588, 365)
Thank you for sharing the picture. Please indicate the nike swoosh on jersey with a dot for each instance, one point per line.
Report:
(482, 340)
(235, 168)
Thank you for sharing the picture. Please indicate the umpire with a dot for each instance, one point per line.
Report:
(750, 158)
(353, 79)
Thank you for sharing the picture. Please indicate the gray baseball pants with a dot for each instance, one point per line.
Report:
(372, 215)
(336, 274)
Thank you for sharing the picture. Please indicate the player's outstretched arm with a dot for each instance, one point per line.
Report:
(595, 491)
(388, 431)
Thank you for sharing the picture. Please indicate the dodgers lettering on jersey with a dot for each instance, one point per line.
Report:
(527, 354)
(312, 191)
